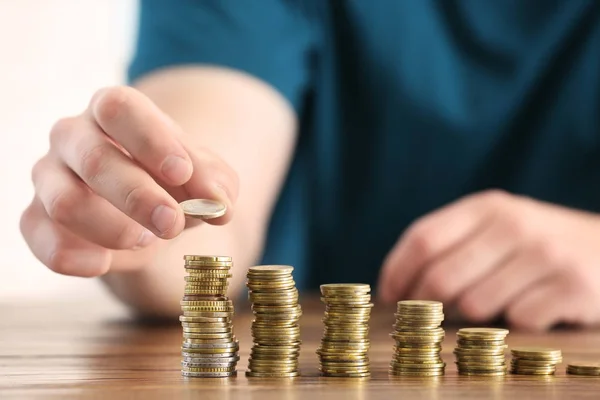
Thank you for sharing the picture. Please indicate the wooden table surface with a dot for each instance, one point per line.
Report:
(75, 350)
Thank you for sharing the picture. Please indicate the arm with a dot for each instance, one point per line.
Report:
(252, 128)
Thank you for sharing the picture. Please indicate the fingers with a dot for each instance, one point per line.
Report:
(212, 179)
(112, 175)
(136, 124)
(69, 202)
(465, 265)
(425, 240)
(490, 297)
(60, 250)
(540, 307)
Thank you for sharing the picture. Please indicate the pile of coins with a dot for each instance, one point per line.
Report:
(209, 347)
(345, 344)
(480, 351)
(418, 338)
(584, 368)
(275, 329)
(534, 361)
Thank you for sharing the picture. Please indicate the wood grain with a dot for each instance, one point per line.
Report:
(75, 350)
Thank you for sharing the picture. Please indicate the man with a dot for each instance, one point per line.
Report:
(441, 150)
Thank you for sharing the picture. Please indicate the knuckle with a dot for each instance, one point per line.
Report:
(521, 318)
(473, 308)
(62, 129)
(515, 226)
(421, 239)
(60, 206)
(58, 261)
(38, 171)
(493, 196)
(134, 199)
(110, 102)
(549, 255)
(93, 160)
(438, 284)
(126, 237)
(25, 221)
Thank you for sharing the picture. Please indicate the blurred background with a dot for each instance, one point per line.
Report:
(53, 55)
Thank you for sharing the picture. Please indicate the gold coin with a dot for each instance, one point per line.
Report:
(271, 269)
(207, 258)
(208, 325)
(419, 305)
(536, 353)
(417, 374)
(345, 287)
(206, 276)
(252, 374)
(207, 314)
(203, 320)
(469, 333)
(584, 368)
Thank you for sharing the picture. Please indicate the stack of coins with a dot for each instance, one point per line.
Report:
(584, 368)
(480, 351)
(345, 343)
(209, 348)
(418, 338)
(275, 329)
(534, 360)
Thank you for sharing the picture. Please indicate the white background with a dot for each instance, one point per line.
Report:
(53, 55)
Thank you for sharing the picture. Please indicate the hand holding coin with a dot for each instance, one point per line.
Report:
(113, 179)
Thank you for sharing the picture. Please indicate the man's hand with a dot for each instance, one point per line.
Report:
(495, 254)
(112, 180)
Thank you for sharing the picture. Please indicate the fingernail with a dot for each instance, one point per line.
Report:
(145, 238)
(163, 218)
(176, 169)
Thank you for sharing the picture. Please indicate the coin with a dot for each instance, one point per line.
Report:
(275, 328)
(584, 368)
(209, 348)
(481, 351)
(190, 374)
(345, 344)
(534, 360)
(203, 208)
(418, 339)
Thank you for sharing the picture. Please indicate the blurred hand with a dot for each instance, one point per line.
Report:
(112, 180)
(495, 254)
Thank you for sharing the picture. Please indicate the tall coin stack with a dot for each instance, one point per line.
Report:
(418, 338)
(480, 351)
(275, 329)
(345, 343)
(209, 348)
(534, 360)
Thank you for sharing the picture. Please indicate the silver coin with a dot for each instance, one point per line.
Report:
(208, 360)
(203, 209)
(228, 345)
(190, 374)
(187, 364)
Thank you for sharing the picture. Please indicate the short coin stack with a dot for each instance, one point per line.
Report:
(209, 348)
(418, 338)
(534, 360)
(480, 351)
(584, 368)
(275, 329)
(345, 343)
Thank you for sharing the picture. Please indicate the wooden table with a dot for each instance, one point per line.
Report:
(74, 350)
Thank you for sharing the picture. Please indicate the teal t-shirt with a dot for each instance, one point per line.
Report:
(405, 105)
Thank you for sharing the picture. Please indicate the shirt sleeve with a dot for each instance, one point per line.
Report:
(270, 39)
